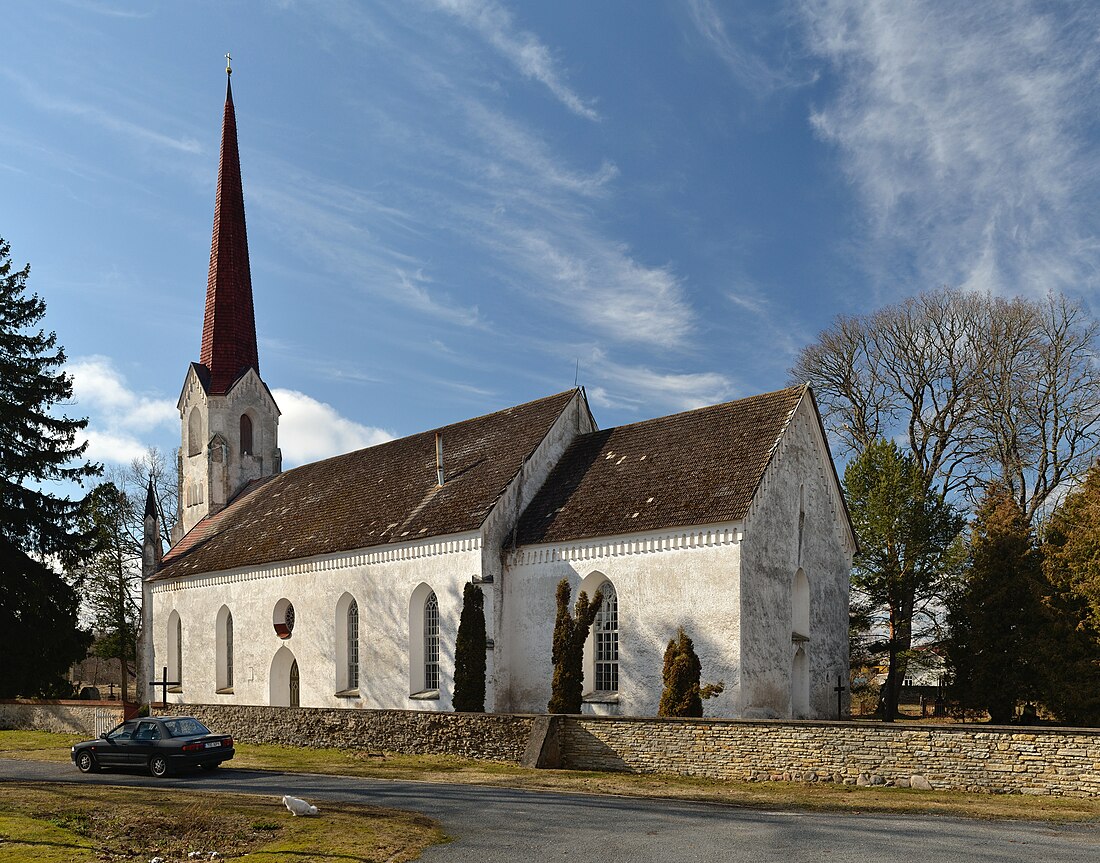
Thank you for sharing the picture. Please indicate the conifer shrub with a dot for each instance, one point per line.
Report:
(683, 695)
(470, 645)
(570, 633)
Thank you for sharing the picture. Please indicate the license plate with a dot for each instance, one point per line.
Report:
(214, 745)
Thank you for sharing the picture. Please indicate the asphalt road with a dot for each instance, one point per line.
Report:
(501, 824)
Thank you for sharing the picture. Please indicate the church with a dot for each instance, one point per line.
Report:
(340, 583)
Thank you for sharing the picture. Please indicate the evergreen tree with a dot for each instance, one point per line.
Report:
(997, 614)
(906, 553)
(469, 694)
(683, 695)
(36, 446)
(570, 633)
(39, 632)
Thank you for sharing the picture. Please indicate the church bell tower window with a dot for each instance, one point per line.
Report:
(246, 434)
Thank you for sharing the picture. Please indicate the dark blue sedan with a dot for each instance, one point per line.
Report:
(159, 744)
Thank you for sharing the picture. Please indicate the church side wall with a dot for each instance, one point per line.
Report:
(382, 582)
(771, 560)
(497, 534)
(663, 579)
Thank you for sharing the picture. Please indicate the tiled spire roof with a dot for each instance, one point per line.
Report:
(229, 327)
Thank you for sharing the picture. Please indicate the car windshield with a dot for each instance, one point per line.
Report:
(185, 727)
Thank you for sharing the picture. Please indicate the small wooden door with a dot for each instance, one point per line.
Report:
(294, 683)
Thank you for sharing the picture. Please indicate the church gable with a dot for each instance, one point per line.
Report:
(383, 494)
(698, 467)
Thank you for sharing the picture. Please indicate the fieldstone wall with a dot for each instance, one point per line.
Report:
(66, 717)
(484, 736)
(1064, 761)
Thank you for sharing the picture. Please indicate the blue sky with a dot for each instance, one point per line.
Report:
(452, 203)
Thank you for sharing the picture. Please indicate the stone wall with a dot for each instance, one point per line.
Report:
(484, 736)
(66, 717)
(1064, 761)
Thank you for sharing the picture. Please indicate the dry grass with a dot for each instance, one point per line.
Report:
(763, 795)
(42, 823)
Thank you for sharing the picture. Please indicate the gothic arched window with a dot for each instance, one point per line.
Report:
(353, 645)
(246, 434)
(224, 645)
(194, 432)
(605, 629)
(431, 643)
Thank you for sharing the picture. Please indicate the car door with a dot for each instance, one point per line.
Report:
(145, 741)
(117, 747)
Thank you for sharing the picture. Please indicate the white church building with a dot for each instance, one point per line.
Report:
(339, 583)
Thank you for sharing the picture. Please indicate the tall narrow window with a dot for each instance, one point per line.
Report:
(179, 650)
(353, 645)
(606, 630)
(431, 643)
(229, 652)
(246, 434)
(194, 432)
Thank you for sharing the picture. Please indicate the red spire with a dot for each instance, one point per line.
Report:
(229, 327)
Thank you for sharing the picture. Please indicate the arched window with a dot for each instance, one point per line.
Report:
(431, 643)
(224, 645)
(605, 630)
(353, 645)
(246, 434)
(194, 432)
(347, 646)
(800, 644)
(174, 657)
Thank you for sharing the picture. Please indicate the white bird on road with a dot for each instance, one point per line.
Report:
(297, 806)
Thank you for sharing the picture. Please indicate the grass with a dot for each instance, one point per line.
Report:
(824, 797)
(43, 823)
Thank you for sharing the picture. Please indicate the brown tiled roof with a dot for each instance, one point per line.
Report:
(698, 467)
(382, 494)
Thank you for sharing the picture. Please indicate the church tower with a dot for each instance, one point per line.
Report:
(229, 420)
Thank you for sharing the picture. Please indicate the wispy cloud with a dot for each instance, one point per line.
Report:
(631, 386)
(965, 130)
(122, 423)
(106, 9)
(412, 286)
(747, 66)
(310, 430)
(96, 116)
(522, 48)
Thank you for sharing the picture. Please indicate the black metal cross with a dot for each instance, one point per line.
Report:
(838, 689)
(163, 683)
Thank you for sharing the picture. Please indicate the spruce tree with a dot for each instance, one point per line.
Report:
(997, 615)
(469, 694)
(37, 446)
(683, 694)
(39, 632)
(570, 633)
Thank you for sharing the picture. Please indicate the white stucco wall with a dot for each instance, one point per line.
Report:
(382, 581)
(664, 579)
(770, 560)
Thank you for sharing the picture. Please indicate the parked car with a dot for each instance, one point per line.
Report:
(160, 744)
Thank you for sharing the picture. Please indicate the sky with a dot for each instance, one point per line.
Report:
(459, 205)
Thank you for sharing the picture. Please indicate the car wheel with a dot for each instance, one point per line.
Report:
(158, 765)
(85, 763)
(213, 766)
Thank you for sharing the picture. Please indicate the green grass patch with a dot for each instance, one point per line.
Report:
(818, 796)
(42, 823)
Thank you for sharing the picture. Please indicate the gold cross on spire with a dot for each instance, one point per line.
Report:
(228, 65)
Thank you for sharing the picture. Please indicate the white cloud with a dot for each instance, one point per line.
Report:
(122, 423)
(631, 386)
(746, 66)
(310, 430)
(521, 48)
(964, 127)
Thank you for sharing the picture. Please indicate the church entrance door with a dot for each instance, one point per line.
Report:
(295, 684)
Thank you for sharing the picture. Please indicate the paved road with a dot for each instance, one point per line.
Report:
(500, 824)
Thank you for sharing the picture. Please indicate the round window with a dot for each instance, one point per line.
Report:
(283, 618)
